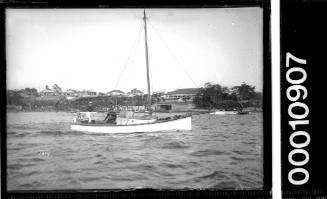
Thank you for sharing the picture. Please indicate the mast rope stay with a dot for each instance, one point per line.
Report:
(173, 55)
(151, 79)
(131, 53)
(130, 68)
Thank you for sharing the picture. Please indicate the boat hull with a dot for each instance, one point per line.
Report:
(171, 125)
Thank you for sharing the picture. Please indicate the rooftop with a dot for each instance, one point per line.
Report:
(115, 91)
(184, 91)
(135, 91)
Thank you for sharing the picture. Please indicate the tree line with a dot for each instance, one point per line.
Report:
(28, 99)
(221, 97)
(209, 96)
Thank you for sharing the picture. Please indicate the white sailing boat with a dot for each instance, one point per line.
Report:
(127, 122)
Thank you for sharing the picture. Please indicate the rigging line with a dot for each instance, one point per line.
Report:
(129, 55)
(151, 78)
(170, 51)
(132, 60)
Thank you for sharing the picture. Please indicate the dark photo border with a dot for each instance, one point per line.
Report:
(147, 193)
(303, 36)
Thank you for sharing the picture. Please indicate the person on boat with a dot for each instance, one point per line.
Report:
(111, 117)
(89, 107)
(89, 110)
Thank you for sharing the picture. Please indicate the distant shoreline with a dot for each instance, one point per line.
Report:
(194, 110)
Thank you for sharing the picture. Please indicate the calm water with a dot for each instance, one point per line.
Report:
(221, 152)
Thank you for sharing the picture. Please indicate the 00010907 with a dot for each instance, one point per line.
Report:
(299, 119)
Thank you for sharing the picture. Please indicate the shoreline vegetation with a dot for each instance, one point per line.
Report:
(207, 98)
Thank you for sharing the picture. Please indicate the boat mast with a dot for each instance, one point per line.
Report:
(147, 61)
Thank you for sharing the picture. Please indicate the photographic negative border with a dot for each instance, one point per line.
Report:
(303, 141)
(267, 101)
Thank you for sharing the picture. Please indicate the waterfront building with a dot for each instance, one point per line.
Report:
(172, 106)
(70, 93)
(88, 93)
(49, 92)
(135, 92)
(115, 93)
(185, 94)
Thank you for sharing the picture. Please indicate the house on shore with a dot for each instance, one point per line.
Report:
(135, 92)
(48, 92)
(173, 106)
(184, 94)
(177, 100)
(88, 93)
(70, 94)
(116, 93)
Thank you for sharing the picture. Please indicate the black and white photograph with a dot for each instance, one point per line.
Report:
(135, 98)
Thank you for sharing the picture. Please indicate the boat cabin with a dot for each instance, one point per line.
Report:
(121, 118)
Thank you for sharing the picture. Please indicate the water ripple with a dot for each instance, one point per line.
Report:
(208, 152)
(221, 152)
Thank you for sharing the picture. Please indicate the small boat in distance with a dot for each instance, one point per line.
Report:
(221, 112)
(230, 112)
(128, 122)
(243, 112)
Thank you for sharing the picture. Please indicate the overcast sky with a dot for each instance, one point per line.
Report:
(90, 48)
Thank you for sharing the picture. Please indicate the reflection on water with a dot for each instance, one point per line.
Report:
(221, 152)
